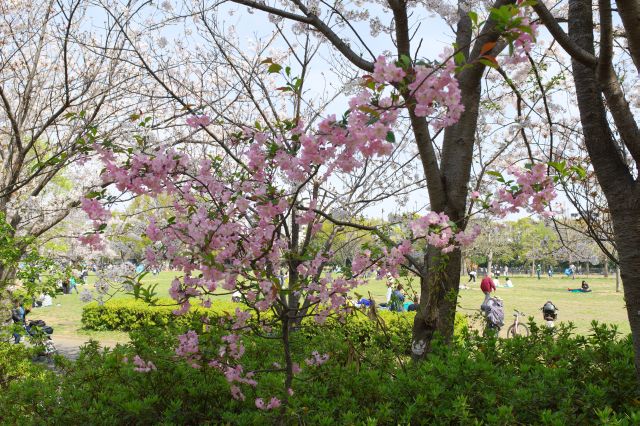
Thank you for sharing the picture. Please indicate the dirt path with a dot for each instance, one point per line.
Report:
(69, 346)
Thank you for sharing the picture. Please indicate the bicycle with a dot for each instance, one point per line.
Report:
(517, 328)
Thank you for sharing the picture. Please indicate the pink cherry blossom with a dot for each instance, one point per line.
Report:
(196, 121)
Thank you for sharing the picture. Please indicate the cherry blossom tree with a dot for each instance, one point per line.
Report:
(57, 83)
(446, 162)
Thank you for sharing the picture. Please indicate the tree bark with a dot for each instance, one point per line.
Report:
(533, 268)
(629, 11)
(618, 184)
(606, 268)
(448, 190)
(490, 260)
(617, 279)
(439, 287)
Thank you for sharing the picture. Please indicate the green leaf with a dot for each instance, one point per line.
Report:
(582, 173)
(391, 137)
(459, 58)
(93, 194)
(488, 62)
(404, 61)
(274, 68)
(559, 166)
(474, 18)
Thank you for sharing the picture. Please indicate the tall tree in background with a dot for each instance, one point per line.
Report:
(57, 83)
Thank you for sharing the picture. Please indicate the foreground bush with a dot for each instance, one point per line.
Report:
(544, 379)
(16, 365)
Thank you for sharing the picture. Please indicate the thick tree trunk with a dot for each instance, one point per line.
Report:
(439, 294)
(7, 276)
(618, 184)
(447, 182)
(627, 229)
(606, 268)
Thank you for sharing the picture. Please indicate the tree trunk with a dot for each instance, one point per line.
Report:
(618, 184)
(627, 231)
(438, 299)
(617, 279)
(533, 268)
(587, 268)
(7, 276)
(490, 261)
(606, 268)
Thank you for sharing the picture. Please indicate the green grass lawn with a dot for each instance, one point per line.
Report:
(528, 295)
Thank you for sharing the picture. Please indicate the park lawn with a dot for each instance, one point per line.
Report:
(528, 295)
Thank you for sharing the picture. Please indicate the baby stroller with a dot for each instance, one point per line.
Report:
(549, 313)
(40, 335)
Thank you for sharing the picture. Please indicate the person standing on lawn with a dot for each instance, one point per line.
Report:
(18, 316)
(487, 286)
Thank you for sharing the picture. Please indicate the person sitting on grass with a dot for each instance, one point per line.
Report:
(583, 289)
(397, 300)
(507, 284)
(415, 305)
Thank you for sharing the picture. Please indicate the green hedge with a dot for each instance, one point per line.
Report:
(393, 331)
(131, 314)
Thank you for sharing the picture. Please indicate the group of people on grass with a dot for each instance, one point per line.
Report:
(76, 276)
(397, 299)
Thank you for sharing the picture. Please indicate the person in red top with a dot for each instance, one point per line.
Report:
(487, 286)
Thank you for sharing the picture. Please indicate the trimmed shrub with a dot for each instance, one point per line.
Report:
(130, 314)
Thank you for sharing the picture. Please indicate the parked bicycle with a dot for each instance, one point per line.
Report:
(518, 328)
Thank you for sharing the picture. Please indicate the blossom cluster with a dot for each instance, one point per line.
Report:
(532, 190)
(143, 366)
(522, 40)
(434, 90)
(441, 232)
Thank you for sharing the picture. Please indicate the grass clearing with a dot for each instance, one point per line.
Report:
(528, 295)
